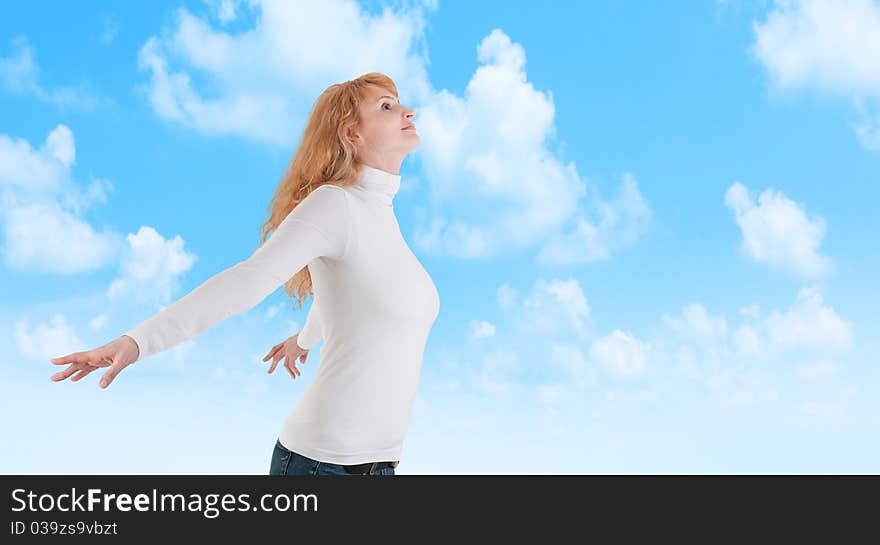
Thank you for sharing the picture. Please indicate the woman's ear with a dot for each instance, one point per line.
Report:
(353, 137)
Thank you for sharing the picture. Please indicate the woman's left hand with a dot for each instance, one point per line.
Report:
(289, 351)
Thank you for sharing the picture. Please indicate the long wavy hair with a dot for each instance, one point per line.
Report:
(324, 156)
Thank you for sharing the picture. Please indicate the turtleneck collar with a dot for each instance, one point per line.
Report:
(379, 184)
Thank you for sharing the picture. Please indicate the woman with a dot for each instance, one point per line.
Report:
(374, 304)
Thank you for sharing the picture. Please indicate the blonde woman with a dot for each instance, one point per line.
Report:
(334, 235)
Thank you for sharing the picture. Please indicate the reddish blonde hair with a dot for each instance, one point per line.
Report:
(324, 156)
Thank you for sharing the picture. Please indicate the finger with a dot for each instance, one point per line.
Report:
(302, 358)
(274, 363)
(287, 366)
(83, 372)
(76, 357)
(289, 371)
(111, 373)
(61, 375)
(271, 352)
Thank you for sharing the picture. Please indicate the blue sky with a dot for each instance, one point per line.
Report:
(652, 228)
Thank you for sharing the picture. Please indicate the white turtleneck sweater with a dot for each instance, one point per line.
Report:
(374, 306)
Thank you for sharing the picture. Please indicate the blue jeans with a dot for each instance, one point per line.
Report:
(288, 462)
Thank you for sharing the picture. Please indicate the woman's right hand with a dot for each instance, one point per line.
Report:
(290, 351)
(117, 355)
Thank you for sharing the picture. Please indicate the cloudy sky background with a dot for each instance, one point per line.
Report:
(653, 228)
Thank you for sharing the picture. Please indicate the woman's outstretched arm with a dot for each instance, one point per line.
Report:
(319, 226)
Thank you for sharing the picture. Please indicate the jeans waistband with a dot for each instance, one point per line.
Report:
(369, 467)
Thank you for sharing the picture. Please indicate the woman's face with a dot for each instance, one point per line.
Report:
(382, 133)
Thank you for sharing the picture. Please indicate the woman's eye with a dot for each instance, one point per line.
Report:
(386, 104)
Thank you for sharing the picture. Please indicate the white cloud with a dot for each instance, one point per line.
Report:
(501, 186)
(809, 325)
(261, 83)
(868, 126)
(620, 223)
(548, 324)
(495, 371)
(45, 238)
(829, 45)
(739, 359)
(546, 320)
(569, 358)
(746, 341)
(457, 238)
(554, 307)
(274, 310)
(44, 232)
(225, 10)
(696, 325)
(41, 208)
(480, 329)
(807, 330)
(47, 340)
(151, 267)
(620, 353)
(507, 296)
(19, 73)
(42, 171)
(60, 145)
(98, 322)
(778, 232)
(735, 386)
(738, 364)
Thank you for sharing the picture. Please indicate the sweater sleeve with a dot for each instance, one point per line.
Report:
(318, 226)
(311, 333)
